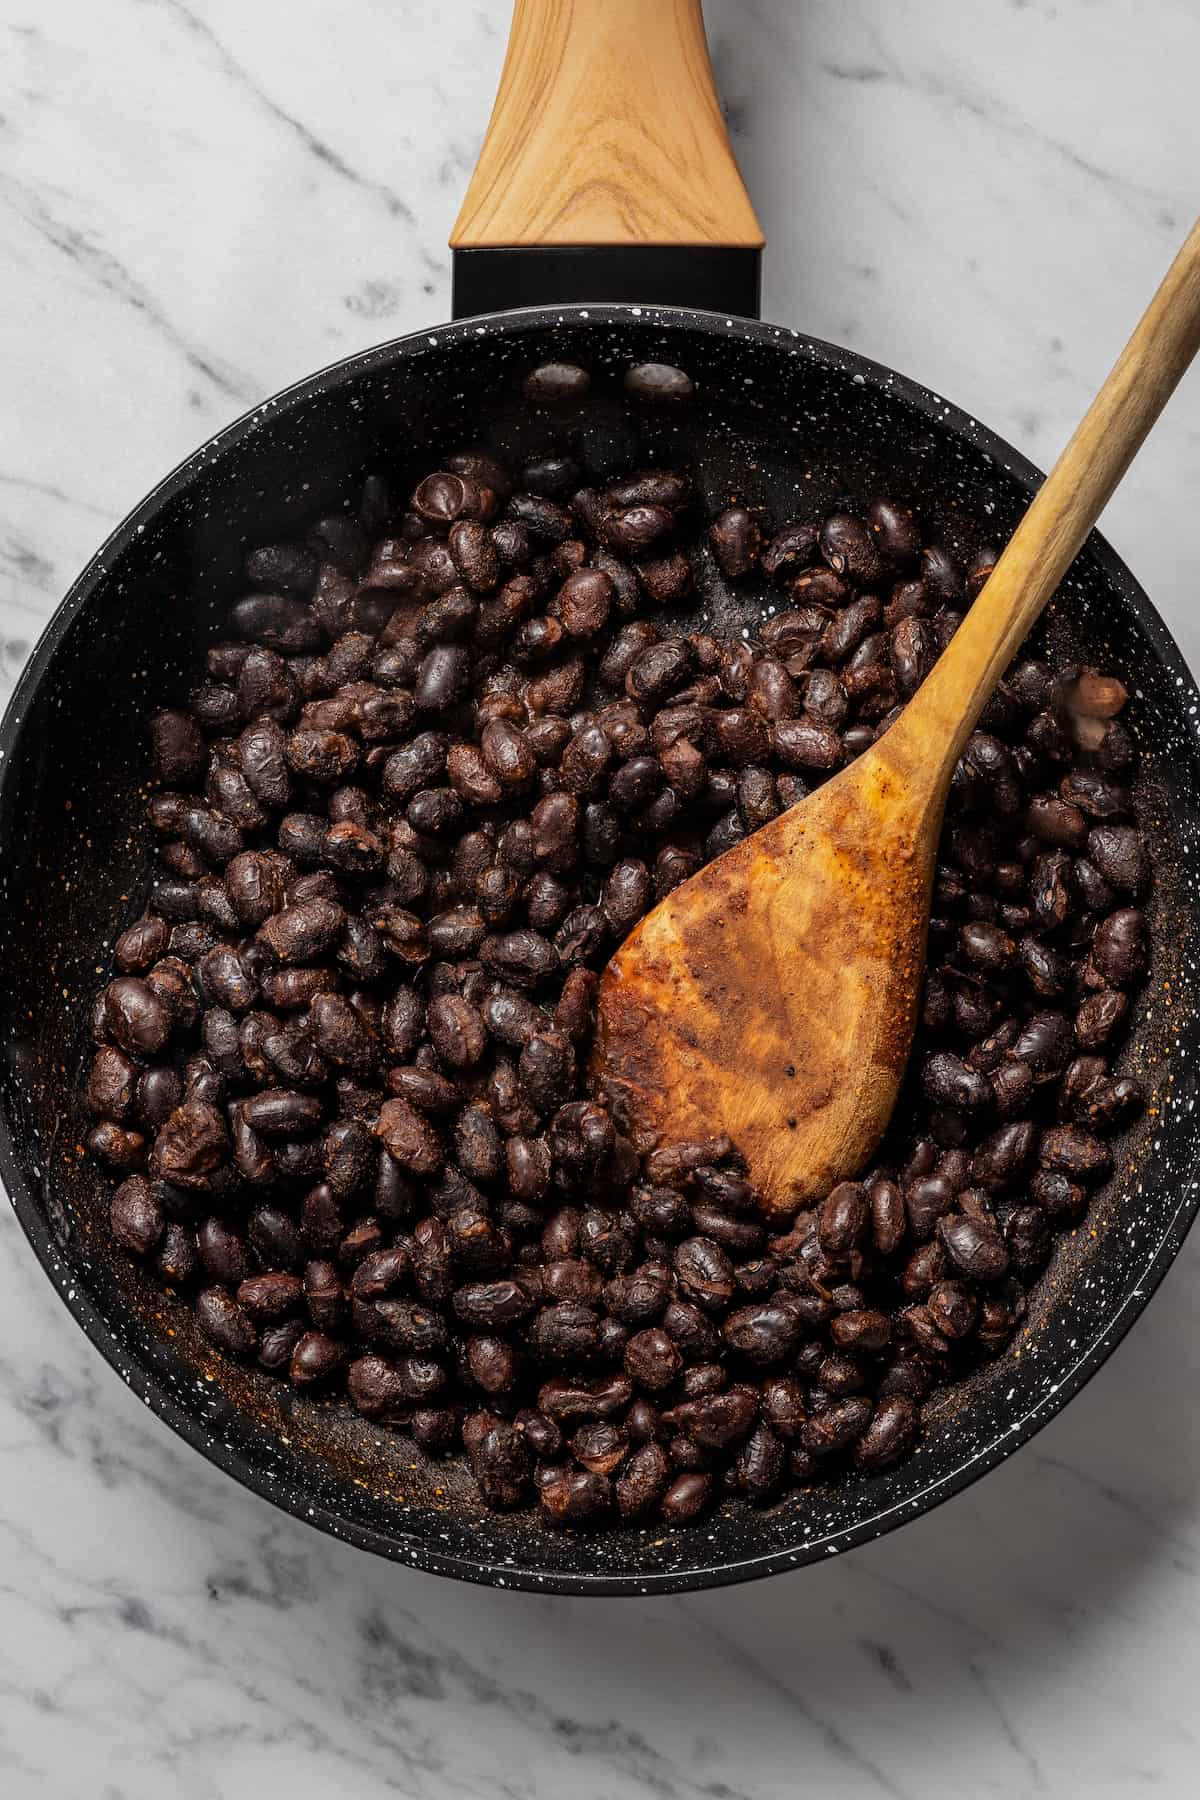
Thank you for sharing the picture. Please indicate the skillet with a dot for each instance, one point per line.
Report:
(606, 192)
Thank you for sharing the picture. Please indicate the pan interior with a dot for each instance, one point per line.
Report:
(775, 421)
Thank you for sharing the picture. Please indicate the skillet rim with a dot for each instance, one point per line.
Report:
(289, 1496)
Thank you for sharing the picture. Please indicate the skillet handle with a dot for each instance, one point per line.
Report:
(607, 162)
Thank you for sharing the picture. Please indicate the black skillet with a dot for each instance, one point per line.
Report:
(776, 418)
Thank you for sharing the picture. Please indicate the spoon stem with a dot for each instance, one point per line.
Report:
(946, 708)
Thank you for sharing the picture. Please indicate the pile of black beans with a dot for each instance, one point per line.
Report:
(451, 751)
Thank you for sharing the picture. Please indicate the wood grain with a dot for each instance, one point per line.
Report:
(606, 129)
(773, 996)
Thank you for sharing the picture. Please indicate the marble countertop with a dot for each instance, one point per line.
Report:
(202, 201)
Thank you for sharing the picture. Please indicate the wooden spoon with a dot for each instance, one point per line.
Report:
(773, 996)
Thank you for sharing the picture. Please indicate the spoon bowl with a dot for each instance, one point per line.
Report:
(774, 993)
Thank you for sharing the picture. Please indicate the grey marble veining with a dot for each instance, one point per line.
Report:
(202, 201)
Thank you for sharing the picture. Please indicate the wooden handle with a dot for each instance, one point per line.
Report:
(606, 130)
(1040, 551)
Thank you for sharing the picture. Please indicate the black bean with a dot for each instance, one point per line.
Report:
(973, 1246)
(1003, 1155)
(275, 1238)
(985, 946)
(734, 539)
(576, 1498)
(949, 1082)
(843, 1218)
(190, 1146)
(1012, 1089)
(717, 1420)
(316, 1358)
(225, 1323)
(282, 1112)
(806, 743)
(896, 533)
(1067, 1150)
(136, 1216)
(760, 1465)
(134, 1017)
(177, 1261)
(223, 1252)
(790, 550)
(408, 1138)
(1120, 855)
(522, 957)
(836, 1428)
(1047, 969)
(705, 1273)
(1055, 821)
(141, 944)
(1027, 1235)
(1046, 1043)
(954, 1309)
(766, 1332)
(111, 1084)
(302, 932)
(1099, 1016)
(1118, 953)
(271, 1296)
(1095, 893)
(492, 1305)
(849, 548)
(442, 677)
(643, 1481)
(888, 1437)
(652, 1359)
(277, 1344)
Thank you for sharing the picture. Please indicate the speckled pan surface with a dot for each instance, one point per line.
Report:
(778, 420)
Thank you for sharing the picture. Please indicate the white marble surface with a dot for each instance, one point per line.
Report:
(202, 201)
